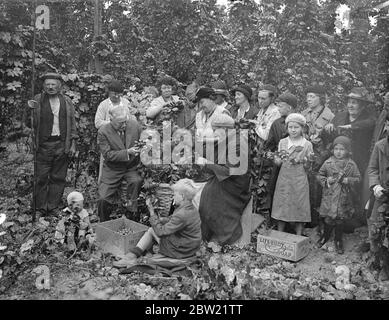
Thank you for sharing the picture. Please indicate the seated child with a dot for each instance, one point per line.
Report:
(337, 176)
(74, 228)
(179, 235)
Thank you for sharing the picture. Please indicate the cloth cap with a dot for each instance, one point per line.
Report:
(52, 75)
(74, 196)
(115, 86)
(344, 141)
(204, 92)
(288, 98)
(220, 87)
(268, 87)
(360, 93)
(296, 117)
(245, 89)
(317, 89)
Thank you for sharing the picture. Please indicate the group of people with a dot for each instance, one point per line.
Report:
(339, 183)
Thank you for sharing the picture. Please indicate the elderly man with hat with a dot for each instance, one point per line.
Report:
(358, 123)
(55, 140)
(206, 98)
(243, 109)
(268, 111)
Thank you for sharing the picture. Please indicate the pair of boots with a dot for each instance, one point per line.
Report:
(326, 235)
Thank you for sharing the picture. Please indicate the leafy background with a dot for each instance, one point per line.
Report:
(290, 44)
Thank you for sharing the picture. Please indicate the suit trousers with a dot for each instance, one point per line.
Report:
(110, 184)
(51, 169)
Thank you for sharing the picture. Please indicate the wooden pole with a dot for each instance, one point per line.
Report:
(97, 32)
(32, 113)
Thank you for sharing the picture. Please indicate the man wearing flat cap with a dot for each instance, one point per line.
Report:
(55, 140)
(268, 111)
(317, 114)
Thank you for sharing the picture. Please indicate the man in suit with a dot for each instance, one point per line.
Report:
(116, 143)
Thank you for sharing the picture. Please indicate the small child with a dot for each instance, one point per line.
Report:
(291, 197)
(74, 228)
(179, 235)
(337, 176)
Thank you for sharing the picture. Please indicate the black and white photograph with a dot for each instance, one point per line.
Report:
(201, 152)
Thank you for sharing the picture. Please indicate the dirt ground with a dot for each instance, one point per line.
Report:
(220, 273)
(311, 278)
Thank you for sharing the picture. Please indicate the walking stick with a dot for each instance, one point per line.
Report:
(32, 104)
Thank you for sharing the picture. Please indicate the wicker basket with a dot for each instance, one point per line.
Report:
(164, 195)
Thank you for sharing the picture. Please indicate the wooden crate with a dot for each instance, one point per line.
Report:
(283, 245)
(110, 241)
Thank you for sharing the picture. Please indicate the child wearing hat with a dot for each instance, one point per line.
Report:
(291, 197)
(337, 176)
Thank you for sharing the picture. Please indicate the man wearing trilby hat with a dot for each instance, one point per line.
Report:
(55, 138)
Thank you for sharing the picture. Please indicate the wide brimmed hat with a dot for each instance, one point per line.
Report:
(245, 89)
(51, 75)
(220, 87)
(288, 98)
(360, 93)
(317, 89)
(296, 117)
(204, 92)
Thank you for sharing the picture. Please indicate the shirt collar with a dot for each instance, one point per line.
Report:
(298, 143)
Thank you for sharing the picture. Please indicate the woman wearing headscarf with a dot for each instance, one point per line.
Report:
(243, 108)
(358, 123)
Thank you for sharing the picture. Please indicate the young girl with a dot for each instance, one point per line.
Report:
(179, 235)
(337, 175)
(291, 197)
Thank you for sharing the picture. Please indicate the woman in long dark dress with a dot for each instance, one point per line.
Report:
(226, 193)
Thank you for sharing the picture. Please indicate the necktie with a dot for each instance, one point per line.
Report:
(123, 137)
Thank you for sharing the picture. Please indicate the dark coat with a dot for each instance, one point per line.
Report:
(71, 131)
(181, 235)
(361, 134)
(116, 159)
(277, 132)
(337, 199)
(378, 170)
(250, 114)
(379, 127)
